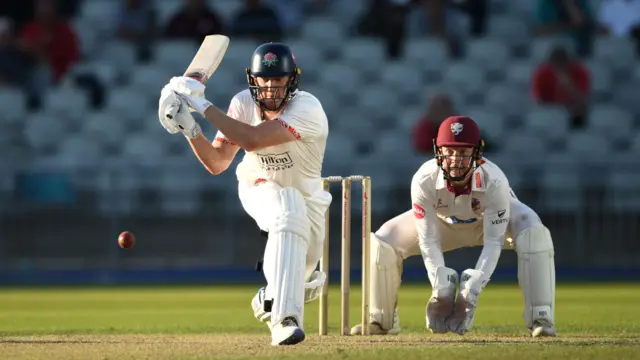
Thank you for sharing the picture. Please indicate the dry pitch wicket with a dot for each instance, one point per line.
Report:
(345, 282)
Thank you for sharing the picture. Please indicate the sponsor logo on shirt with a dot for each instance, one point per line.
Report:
(418, 211)
(275, 162)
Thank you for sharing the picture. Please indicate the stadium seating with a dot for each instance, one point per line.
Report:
(371, 101)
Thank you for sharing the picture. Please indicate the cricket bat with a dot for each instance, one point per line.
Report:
(208, 57)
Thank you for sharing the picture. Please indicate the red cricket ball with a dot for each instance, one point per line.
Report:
(126, 240)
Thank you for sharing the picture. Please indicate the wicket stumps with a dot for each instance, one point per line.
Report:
(345, 283)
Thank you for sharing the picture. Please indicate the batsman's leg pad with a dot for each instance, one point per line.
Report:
(386, 272)
(285, 257)
(441, 303)
(537, 274)
(314, 285)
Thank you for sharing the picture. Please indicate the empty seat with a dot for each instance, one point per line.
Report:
(119, 53)
(354, 124)
(401, 78)
(601, 79)
(377, 102)
(617, 53)
(339, 148)
(625, 96)
(129, 104)
(562, 191)
(181, 190)
(493, 123)
(367, 55)
(239, 53)
(341, 78)
(323, 33)
(488, 53)
(507, 100)
(309, 57)
(611, 122)
(622, 193)
(44, 131)
(174, 54)
(548, 122)
(144, 149)
(524, 147)
(426, 54)
(466, 77)
(81, 151)
(391, 145)
(520, 74)
(588, 145)
(150, 79)
(67, 101)
(409, 117)
(13, 103)
(509, 30)
(110, 130)
(542, 46)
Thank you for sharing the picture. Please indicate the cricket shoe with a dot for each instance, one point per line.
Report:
(287, 332)
(542, 328)
(376, 329)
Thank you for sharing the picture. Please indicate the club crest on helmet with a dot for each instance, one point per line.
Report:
(270, 59)
(456, 128)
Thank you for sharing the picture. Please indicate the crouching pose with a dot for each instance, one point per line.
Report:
(283, 132)
(461, 199)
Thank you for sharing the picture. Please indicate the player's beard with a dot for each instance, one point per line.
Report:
(271, 100)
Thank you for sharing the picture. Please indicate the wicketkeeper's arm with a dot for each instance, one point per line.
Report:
(426, 223)
(496, 221)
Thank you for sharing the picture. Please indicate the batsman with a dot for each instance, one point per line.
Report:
(461, 199)
(283, 131)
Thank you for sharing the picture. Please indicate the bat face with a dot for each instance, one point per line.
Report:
(208, 57)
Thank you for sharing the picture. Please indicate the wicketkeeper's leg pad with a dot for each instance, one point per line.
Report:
(386, 272)
(536, 273)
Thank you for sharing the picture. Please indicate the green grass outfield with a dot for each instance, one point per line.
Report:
(594, 322)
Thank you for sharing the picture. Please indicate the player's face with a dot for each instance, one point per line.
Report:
(272, 90)
(457, 160)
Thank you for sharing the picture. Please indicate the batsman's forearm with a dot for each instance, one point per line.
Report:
(208, 155)
(240, 133)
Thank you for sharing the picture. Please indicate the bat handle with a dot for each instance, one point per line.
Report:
(201, 77)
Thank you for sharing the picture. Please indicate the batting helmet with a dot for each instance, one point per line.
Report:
(273, 60)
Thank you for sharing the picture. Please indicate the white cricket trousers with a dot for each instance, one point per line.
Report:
(256, 199)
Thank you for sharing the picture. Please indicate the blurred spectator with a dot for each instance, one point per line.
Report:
(437, 12)
(51, 40)
(136, 24)
(194, 21)
(563, 81)
(386, 19)
(567, 17)
(22, 11)
(292, 12)
(477, 10)
(13, 61)
(257, 21)
(426, 129)
(620, 18)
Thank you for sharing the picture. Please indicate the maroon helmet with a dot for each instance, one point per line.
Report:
(458, 131)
